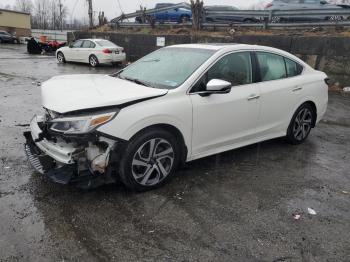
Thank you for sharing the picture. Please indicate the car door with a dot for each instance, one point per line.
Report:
(222, 120)
(71, 53)
(280, 91)
(85, 51)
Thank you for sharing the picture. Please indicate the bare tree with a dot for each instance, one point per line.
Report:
(197, 13)
(24, 6)
(49, 14)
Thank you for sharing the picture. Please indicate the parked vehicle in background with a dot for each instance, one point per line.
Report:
(5, 37)
(177, 104)
(91, 51)
(305, 5)
(225, 18)
(178, 14)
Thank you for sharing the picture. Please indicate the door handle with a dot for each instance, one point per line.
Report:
(297, 88)
(252, 97)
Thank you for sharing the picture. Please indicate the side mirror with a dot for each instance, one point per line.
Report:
(176, 9)
(322, 2)
(218, 85)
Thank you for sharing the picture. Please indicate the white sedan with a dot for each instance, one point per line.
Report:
(91, 51)
(177, 104)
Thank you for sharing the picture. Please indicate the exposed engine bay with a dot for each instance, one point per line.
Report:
(66, 158)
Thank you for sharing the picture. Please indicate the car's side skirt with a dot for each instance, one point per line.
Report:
(234, 146)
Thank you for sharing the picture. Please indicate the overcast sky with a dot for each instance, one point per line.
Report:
(78, 8)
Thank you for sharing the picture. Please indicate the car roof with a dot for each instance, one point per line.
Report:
(214, 46)
(227, 47)
(93, 39)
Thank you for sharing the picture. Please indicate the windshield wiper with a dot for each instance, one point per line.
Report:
(151, 60)
(137, 81)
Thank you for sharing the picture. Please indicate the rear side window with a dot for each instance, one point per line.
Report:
(86, 44)
(272, 67)
(293, 68)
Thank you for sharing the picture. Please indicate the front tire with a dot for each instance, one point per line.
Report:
(149, 160)
(301, 124)
(60, 58)
(184, 19)
(93, 61)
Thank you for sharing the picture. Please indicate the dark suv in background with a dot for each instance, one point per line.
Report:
(7, 38)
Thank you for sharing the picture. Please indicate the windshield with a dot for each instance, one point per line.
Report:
(104, 43)
(167, 68)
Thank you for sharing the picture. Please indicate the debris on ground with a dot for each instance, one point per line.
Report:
(296, 216)
(346, 89)
(345, 192)
(311, 211)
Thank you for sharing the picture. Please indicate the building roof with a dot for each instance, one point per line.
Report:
(13, 11)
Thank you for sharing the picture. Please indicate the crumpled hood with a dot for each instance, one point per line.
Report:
(68, 93)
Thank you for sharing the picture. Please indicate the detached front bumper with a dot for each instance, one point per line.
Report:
(67, 162)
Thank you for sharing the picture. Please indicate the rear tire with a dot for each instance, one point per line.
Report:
(93, 61)
(301, 124)
(149, 160)
(60, 58)
(335, 18)
(276, 19)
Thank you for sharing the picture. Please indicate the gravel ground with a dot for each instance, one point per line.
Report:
(235, 206)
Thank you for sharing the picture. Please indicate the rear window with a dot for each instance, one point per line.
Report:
(105, 43)
(272, 66)
(293, 68)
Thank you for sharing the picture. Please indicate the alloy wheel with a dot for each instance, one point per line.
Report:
(336, 18)
(152, 162)
(276, 19)
(60, 58)
(93, 61)
(302, 124)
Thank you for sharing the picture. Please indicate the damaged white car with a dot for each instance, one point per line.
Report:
(176, 104)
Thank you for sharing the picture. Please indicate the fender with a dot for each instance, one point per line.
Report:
(175, 110)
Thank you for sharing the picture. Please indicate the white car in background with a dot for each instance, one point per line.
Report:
(177, 104)
(91, 51)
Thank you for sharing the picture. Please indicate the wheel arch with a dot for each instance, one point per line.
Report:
(172, 130)
(59, 51)
(314, 111)
(312, 104)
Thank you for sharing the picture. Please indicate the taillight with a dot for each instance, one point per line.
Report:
(268, 5)
(327, 81)
(107, 51)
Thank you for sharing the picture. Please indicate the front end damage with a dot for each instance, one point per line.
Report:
(81, 159)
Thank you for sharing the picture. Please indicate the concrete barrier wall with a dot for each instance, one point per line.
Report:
(326, 53)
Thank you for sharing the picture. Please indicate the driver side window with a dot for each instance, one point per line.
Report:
(235, 68)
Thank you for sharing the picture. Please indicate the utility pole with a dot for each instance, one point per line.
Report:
(91, 23)
(61, 17)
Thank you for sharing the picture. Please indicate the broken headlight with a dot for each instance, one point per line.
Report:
(81, 124)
